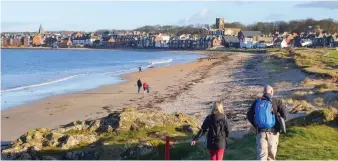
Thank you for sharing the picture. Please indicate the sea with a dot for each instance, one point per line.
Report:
(29, 75)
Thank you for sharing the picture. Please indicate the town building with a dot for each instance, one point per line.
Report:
(66, 43)
(145, 42)
(162, 41)
(26, 41)
(220, 23)
(37, 40)
(231, 42)
(231, 31)
(247, 39)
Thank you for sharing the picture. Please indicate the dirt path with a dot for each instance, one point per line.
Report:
(236, 83)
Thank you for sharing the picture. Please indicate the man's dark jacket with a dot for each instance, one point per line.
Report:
(215, 124)
(277, 106)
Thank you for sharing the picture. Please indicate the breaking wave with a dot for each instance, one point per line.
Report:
(41, 84)
(159, 62)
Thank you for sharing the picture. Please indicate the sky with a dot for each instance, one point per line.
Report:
(87, 15)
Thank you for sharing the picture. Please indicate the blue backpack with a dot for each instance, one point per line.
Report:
(264, 116)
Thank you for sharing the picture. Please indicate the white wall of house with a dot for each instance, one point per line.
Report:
(83, 42)
(247, 43)
(164, 43)
(284, 44)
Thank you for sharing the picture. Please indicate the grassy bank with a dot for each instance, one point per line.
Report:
(322, 62)
(313, 142)
(312, 137)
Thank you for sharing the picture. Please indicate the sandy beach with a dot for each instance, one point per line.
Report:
(61, 109)
(189, 88)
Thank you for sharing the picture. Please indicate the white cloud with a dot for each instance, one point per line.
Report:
(204, 16)
(321, 4)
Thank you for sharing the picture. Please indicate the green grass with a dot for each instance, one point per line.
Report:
(130, 138)
(178, 152)
(243, 149)
(143, 135)
(332, 58)
(312, 142)
(275, 65)
(315, 142)
(322, 62)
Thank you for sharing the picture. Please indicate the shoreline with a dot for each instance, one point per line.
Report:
(52, 109)
(200, 56)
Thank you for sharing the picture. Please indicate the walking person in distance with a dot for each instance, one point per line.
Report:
(263, 115)
(218, 131)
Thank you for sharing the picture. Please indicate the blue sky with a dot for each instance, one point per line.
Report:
(92, 15)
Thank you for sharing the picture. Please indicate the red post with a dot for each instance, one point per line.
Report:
(167, 147)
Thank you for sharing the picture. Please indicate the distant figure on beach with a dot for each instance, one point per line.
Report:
(209, 58)
(139, 69)
(139, 85)
(218, 131)
(266, 114)
(145, 87)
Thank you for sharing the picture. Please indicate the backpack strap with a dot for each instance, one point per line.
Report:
(270, 100)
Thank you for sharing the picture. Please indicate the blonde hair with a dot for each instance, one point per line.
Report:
(217, 108)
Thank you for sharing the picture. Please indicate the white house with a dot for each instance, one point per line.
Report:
(247, 39)
(162, 41)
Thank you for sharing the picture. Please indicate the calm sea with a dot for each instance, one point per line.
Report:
(28, 75)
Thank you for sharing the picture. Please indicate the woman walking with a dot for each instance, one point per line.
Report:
(218, 131)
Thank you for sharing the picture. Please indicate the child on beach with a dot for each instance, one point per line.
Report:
(145, 87)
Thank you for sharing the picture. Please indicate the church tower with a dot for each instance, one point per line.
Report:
(41, 31)
(219, 23)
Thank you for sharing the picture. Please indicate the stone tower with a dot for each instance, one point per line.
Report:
(219, 23)
(41, 31)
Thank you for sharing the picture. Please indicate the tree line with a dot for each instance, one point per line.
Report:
(297, 26)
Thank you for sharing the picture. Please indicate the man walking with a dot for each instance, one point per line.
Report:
(263, 116)
(139, 85)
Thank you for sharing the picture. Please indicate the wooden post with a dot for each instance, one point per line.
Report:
(167, 148)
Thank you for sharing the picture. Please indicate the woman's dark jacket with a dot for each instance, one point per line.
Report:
(218, 130)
